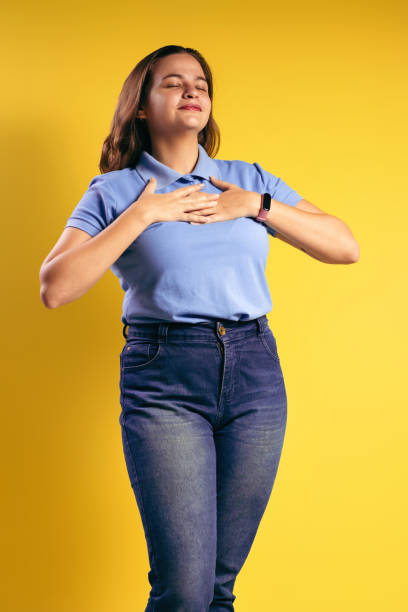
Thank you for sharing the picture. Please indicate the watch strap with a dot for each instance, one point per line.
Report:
(265, 207)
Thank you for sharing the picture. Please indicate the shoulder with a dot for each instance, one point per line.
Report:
(248, 175)
(112, 179)
(253, 177)
(120, 185)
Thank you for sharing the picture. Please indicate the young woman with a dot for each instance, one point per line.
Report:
(202, 392)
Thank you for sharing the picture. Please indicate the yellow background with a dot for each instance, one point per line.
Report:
(317, 94)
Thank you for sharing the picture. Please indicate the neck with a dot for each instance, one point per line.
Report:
(178, 154)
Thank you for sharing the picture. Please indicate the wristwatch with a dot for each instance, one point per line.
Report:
(265, 207)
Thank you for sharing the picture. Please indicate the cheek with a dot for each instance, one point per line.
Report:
(207, 107)
(162, 103)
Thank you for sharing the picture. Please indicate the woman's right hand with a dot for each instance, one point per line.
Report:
(183, 204)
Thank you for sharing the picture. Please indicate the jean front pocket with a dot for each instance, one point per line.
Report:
(269, 342)
(139, 353)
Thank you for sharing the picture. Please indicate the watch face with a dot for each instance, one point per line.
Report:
(266, 201)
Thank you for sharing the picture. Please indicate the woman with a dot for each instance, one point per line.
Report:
(201, 386)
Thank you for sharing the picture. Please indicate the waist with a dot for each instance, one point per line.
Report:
(222, 328)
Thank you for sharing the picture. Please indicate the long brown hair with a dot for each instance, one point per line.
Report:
(129, 135)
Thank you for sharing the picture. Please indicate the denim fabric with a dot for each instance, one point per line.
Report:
(203, 420)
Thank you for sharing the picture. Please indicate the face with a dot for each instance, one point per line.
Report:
(168, 93)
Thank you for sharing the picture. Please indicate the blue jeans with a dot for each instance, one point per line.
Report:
(203, 420)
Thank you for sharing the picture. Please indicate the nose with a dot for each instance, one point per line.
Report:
(191, 90)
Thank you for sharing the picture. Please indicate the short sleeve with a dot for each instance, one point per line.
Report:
(279, 191)
(96, 209)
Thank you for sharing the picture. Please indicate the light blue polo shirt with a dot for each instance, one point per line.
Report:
(175, 271)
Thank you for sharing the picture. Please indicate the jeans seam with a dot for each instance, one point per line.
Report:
(282, 384)
(275, 357)
(141, 503)
(146, 363)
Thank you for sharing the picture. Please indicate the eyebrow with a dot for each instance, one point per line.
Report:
(199, 78)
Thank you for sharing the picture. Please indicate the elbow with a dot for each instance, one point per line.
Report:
(348, 249)
(353, 253)
(348, 252)
(47, 299)
(47, 294)
(348, 255)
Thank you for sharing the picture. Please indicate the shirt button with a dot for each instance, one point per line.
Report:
(222, 330)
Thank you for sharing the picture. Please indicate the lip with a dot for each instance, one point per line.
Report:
(190, 107)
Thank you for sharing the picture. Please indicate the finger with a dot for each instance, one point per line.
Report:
(199, 218)
(208, 209)
(201, 199)
(150, 185)
(203, 221)
(217, 180)
(205, 197)
(190, 188)
(202, 205)
(222, 184)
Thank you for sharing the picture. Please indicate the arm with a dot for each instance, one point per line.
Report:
(306, 227)
(79, 260)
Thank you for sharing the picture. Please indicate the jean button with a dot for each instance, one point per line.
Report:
(222, 330)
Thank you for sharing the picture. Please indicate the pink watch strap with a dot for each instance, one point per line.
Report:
(262, 212)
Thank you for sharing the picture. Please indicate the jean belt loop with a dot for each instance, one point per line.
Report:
(259, 325)
(162, 332)
(123, 330)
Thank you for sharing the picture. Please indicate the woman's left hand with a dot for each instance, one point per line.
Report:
(234, 202)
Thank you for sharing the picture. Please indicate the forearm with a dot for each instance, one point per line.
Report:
(324, 236)
(71, 274)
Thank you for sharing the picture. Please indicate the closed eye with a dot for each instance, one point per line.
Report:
(202, 88)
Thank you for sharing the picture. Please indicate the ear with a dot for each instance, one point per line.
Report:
(141, 114)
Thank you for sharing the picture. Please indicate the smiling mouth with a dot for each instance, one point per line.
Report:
(189, 108)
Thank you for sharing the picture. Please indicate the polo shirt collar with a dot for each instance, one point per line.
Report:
(149, 166)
